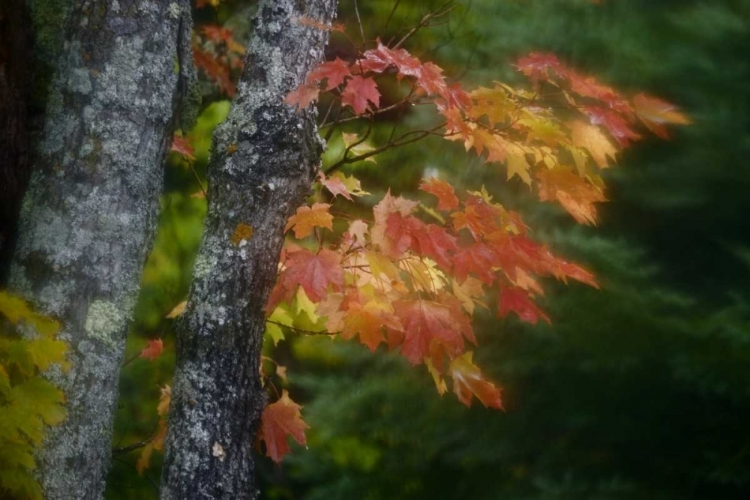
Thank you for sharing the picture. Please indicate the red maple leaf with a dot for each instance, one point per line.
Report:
(279, 420)
(358, 92)
(617, 126)
(313, 272)
(429, 330)
(517, 300)
(182, 146)
(434, 242)
(216, 33)
(536, 66)
(334, 72)
(477, 259)
(153, 350)
(215, 70)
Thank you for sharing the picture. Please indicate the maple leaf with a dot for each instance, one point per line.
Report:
(302, 96)
(447, 199)
(428, 75)
(182, 146)
(218, 34)
(157, 442)
(334, 72)
(216, 71)
(341, 185)
(177, 310)
(382, 57)
(307, 21)
(399, 230)
(468, 382)
(537, 65)
(357, 146)
(429, 240)
(279, 420)
(381, 212)
(467, 293)
(655, 114)
(427, 324)
(617, 126)
(574, 193)
(477, 259)
(308, 218)
(517, 300)
(153, 350)
(313, 272)
(478, 216)
(358, 92)
(368, 321)
(594, 140)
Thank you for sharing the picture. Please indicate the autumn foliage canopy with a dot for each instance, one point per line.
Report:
(411, 274)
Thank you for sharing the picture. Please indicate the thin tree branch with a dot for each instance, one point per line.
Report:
(359, 21)
(425, 22)
(401, 141)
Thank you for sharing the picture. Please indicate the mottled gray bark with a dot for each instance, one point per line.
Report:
(262, 166)
(90, 211)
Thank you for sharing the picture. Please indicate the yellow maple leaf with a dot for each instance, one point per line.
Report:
(594, 140)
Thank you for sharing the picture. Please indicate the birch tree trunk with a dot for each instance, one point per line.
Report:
(90, 211)
(263, 162)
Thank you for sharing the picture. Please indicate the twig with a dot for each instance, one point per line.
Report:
(425, 21)
(134, 446)
(401, 141)
(302, 330)
(200, 183)
(359, 21)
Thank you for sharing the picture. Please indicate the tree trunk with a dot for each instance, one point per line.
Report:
(90, 211)
(264, 159)
(16, 58)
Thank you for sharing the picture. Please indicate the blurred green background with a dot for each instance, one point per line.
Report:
(638, 391)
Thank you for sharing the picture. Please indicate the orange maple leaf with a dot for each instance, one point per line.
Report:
(447, 199)
(468, 382)
(655, 114)
(279, 420)
(573, 192)
(308, 218)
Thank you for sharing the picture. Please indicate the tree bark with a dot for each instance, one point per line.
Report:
(264, 159)
(90, 211)
(16, 71)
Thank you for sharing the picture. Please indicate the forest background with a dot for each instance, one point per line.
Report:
(640, 390)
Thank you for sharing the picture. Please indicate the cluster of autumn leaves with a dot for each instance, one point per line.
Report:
(28, 400)
(412, 283)
(411, 276)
